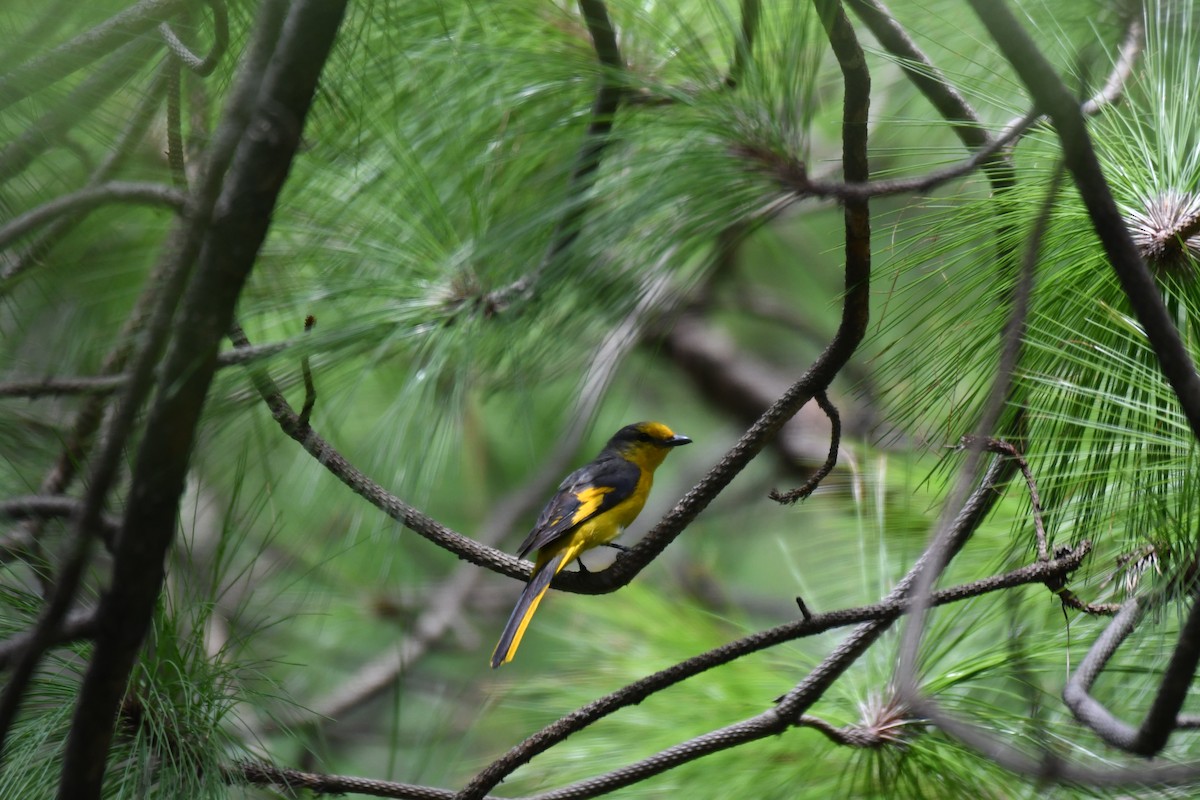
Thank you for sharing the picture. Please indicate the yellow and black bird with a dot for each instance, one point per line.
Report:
(591, 507)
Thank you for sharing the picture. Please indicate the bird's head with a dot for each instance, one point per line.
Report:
(646, 443)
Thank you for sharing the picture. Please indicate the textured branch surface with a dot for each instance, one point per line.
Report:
(876, 618)
(240, 222)
(262, 774)
(1162, 718)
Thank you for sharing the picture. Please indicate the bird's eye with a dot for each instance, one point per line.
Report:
(645, 437)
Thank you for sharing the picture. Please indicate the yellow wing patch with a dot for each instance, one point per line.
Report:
(589, 501)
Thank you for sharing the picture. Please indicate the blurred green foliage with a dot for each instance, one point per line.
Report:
(436, 166)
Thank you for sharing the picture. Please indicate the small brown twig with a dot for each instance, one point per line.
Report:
(835, 438)
(310, 388)
(846, 736)
(1001, 447)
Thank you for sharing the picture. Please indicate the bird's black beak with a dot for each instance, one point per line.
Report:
(677, 440)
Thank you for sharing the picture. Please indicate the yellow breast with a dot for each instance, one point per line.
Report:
(608, 526)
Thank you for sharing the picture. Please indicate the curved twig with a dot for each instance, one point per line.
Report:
(144, 193)
(835, 439)
(1003, 448)
(202, 66)
(1162, 718)
(847, 736)
(1131, 48)
(1048, 765)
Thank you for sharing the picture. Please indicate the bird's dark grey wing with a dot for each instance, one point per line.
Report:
(590, 490)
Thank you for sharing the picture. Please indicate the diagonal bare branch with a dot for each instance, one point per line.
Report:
(241, 218)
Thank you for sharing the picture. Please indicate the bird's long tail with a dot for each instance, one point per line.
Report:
(518, 621)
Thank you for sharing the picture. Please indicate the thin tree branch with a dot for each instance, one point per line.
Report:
(202, 66)
(856, 303)
(595, 141)
(848, 736)
(1003, 448)
(30, 388)
(76, 626)
(1128, 54)
(928, 79)
(835, 439)
(794, 176)
(969, 517)
(51, 507)
(41, 387)
(1114, 85)
(1151, 736)
(877, 616)
(944, 543)
(240, 221)
(1048, 766)
(310, 388)
(142, 193)
(408, 516)
(292, 780)
(175, 158)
